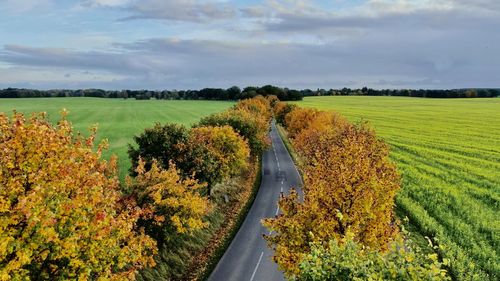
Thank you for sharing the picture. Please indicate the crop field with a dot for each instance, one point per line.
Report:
(448, 153)
(118, 120)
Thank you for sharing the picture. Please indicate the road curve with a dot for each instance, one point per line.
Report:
(248, 258)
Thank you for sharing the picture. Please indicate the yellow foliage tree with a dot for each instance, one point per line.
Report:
(349, 187)
(229, 149)
(174, 203)
(259, 106)
(61, 213)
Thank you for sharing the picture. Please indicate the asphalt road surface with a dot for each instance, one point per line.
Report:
(248, 258)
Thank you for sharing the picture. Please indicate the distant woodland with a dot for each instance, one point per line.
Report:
(235, 93)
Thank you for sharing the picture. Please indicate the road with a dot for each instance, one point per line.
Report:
(248, 258)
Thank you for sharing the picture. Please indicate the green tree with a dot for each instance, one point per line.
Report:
(161, 142)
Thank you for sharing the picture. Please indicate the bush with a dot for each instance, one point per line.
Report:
(61, 213)
(349, 260)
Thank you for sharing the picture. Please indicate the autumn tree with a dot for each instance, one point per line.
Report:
(349, 187)
(61, 213)
(273, 101)
(215, 154)
(174, 203)
(209, 154)
(258, 106)
(281, 109)
(298, 119)
(250, 126)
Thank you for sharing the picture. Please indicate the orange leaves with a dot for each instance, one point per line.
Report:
(60, 209)
(349, 187)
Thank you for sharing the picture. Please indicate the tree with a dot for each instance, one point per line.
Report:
(251, 127)
(349, 187)
(162, 142)
(281, 109)
(61, 213)
(173, 202)
(298, 119)
(215, 154)
(258, 106)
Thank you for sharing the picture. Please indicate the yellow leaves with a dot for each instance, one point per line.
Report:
(227, 147)
(60, 202)
(171, 197)
(349, 187)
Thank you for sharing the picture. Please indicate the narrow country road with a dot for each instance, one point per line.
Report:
(248, 258)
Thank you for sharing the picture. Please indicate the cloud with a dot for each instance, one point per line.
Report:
(376, 60)
(380, 43)
(181, 10)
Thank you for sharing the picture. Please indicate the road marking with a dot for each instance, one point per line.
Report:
(257, 266)
(277, 211)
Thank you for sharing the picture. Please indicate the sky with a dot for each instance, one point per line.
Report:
(193, 44)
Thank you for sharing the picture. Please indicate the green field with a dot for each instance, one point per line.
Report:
(448, 153)
(119, 120)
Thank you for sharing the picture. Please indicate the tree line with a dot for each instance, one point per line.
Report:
(344, 227)
(232, 93)
(235, 93)
(65, 215)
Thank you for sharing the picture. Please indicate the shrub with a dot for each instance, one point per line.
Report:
(61, 214)
(349, 260)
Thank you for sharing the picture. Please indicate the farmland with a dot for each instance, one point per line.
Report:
(448, 153)
(118, 120)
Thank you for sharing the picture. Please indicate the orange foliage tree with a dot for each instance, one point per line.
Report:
(61, 213)
(298, 119)
(281, 109)
(349, 187)
(258, 106)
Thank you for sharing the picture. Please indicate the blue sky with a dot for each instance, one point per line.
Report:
(181, 44)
